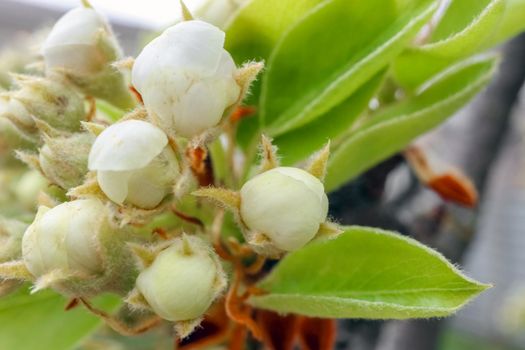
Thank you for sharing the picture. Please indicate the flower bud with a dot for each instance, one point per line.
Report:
(74, 248)
(48, 100)
(134, 163)
(29, 187)
(64, 159)
(74, 42)
(17, 123)
(186, 78)
(183, 280)
(11, 138)
(83, 46)
(286, 205)
(11, 232)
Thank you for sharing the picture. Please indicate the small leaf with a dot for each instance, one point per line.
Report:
(392, 129)
(318, 63)
(40, 321)
(366, 273)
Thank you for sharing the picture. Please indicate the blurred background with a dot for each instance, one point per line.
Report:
(485, 140)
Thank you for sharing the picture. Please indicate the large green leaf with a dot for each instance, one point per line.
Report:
(298, 144)
(468, 27)
(39, 321)
(390, 130)
(366, 273)
(330, 53)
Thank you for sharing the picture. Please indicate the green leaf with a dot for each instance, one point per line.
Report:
(468, 27)
(258, 26)
(252, 35)
(330, 53)
(393, 128)
(299, 144)
(366, 273)
(39, 321)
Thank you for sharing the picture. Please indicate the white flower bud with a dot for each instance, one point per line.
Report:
(183, 280)
(186, 78)
(65, 238)
(82, 46)
(134, 163)
(285, 204)
(74, 42)
(75, 249)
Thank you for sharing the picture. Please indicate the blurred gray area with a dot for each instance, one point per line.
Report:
(497, 255)
(18, 18)
(491, 240)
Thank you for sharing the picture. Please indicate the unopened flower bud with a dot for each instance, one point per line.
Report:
(83, 46)
(186, 78)
(134, 163)
(49, 100)
(11, 232)
(286, 205)
(29, 187)
(64, 159)
(183, 280)
(17, 122)
(73, 248)
(11, 138)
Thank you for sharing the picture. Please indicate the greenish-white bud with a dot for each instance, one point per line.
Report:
(28, 188)
(11, 138)
(64, 159)
(286, 205)
(186, 78)
(183, 280)
(75, 249)
(50, 100)
(134, 163)
(18, 125)
(11, 232)
(83, 46)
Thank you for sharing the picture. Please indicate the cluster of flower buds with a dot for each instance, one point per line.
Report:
(190, 86)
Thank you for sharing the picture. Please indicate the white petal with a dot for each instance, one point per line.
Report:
(128, 145)
(114, 184)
